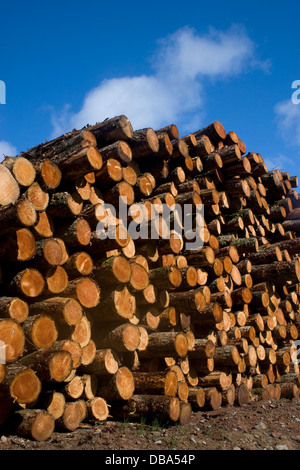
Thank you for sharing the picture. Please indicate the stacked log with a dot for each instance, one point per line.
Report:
(103, 316)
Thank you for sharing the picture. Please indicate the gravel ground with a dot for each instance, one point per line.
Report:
(259, 425)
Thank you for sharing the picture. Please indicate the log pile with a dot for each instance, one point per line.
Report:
(97, 323)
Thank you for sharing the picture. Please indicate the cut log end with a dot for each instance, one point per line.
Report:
(9, 188)
(31, 282)
(124, 383)
(88, 293)
(26, 244)
(60, 365)
(51, 174)
(181, 344)
(43, 332)
(25, 388)
(71, 418)
(97, 409)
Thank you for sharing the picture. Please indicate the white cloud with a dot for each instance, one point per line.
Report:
(181, 65)
(7, 149)
(142, 97)
(218, 53)
(288, 122)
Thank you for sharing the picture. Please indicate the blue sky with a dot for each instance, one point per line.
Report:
(66, 64)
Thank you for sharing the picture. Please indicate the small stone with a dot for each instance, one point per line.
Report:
(297, 419)
(194, 440)
(237, 448)
(4, 439)
(158, 443)
(282, 447)
(269, 448)
(260, 425)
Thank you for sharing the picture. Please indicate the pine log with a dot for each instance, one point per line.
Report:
(18, 215)
(200, 258)
(170, 344)
(49, 365)
(143, 143)
(217, 379)
(160, 407)
(111, 130)
(156, 383)
(85, 290)
(277, 271)
(215, 132)
(105, 362)
(44, 227)
(21, 383)
(213, 399)
(9, 188)
(56, 282)
(165, 277)
(81, 332)
(75, 234)
(112, 271)
(53, 402)
(14, 308)
(13, 338)
(79, 264)
(88, 353)
(97, 409)
(202, 349)
(125, 337)
(120, 386)
(116, 237)
(196, 398)
(119, 304)
(18, 246)
(119, 150)
(60, 308)
(129, 174)
(65, 205)
(40, 332)
(226, 355)
(73, 348)
(34, 424)
(139, 277)
(49, 174)
(22, 170)
(71, 418)
(84, 161)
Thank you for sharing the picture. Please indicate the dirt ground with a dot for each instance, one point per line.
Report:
(259, 425)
